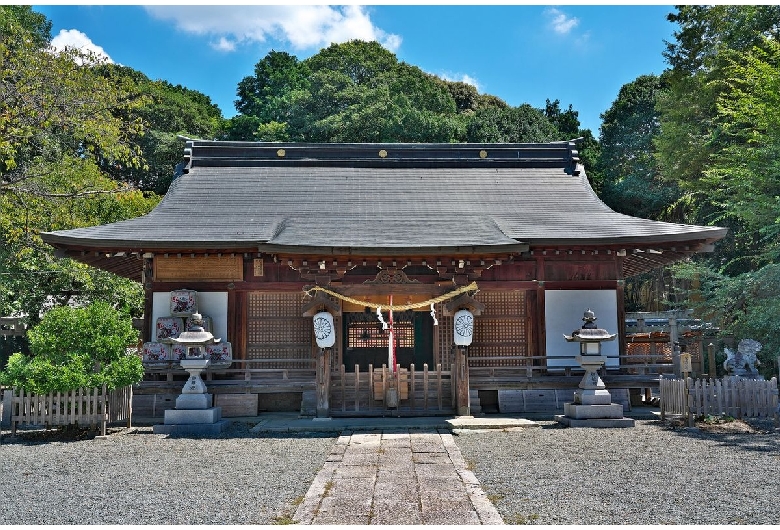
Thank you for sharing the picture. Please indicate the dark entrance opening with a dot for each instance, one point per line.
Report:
(365, 342)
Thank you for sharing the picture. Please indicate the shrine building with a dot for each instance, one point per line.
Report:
(305, 259)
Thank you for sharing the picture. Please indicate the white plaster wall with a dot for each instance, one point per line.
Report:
(563, 314)
(213, 304)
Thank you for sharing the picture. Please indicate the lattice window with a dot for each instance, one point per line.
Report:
(501, 330)
(445, 333)
(370, 335)
(276, 331)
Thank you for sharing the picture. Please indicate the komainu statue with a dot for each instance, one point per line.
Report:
(745, 356)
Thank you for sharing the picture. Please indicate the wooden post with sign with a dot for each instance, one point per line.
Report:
(463, 405)
(685, 364)
(323, 383)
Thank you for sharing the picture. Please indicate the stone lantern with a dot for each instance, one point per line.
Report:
(589, 336)
(592, 405)
(193, 413)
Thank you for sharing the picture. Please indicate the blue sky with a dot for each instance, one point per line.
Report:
(578, 54)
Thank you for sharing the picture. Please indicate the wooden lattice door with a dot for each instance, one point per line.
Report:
(276, 331)
(501, 331)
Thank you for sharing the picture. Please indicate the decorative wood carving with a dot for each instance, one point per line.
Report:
(206, 268)
(319, 302)
(463, 301)
(394, 276)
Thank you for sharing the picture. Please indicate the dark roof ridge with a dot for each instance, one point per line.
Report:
(223, 153)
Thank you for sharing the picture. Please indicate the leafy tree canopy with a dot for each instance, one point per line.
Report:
(631, 180)
(75, 348)
(359, 92)
(513, 124)
(61, 123)
(167, 111)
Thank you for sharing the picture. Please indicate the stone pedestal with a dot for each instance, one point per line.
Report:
(592, 405)
(193, 414)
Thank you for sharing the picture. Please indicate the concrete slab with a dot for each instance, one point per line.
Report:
(193, 429)
(596, 422)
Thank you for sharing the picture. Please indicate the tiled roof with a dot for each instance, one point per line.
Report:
(365, 197)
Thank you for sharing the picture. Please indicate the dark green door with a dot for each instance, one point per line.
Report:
(365, 342)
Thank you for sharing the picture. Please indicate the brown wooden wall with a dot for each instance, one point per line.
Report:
(265, 307)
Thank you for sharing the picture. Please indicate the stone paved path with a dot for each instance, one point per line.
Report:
(396, 477)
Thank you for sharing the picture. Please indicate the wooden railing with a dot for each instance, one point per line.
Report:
(241, 370)
(733, 396)
(84, 406)
(422, 391)
(530, 367)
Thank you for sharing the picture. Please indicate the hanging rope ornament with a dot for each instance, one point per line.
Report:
(452, 294)
(379, 316)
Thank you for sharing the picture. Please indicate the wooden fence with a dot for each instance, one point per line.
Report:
(420, 392)
(84, 406)
(732, 396)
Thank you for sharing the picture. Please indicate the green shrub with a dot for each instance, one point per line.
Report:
(76, 347)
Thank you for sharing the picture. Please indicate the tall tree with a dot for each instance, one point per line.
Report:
(720, 138)
(566, 121)
(631, 179)
(360, 92)
(167, 111)
(692, 136)
(60, 120)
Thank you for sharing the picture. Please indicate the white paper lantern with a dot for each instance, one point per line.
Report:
(463, 328)
(324, 330)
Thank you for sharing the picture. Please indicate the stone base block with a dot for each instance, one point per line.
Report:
(194, 429)
(592, 397)
(581, 412)
(595, 422)
(186, 417)
(193, 401)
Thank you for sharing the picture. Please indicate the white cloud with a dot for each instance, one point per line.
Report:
(560, 22)
(224, 45)
(304, 27)
(463, 78)
(73, 38)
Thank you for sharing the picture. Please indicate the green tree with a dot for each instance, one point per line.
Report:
(359, 92)
(350, 92)
(37, 26)
(512, 124)
(566, 121)
(267, 94)
(694, 137)
(167, 112)
(742, 178)
(631, 179)
(74, 348)
(61, 122)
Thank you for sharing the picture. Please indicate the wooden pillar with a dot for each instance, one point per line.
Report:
(463, 404)
(323, 382)
(541, 333)
(712, 370)
(621, 319)
(146, 281)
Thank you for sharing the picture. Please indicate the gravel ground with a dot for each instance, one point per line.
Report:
(654, 473)
(136, 477)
